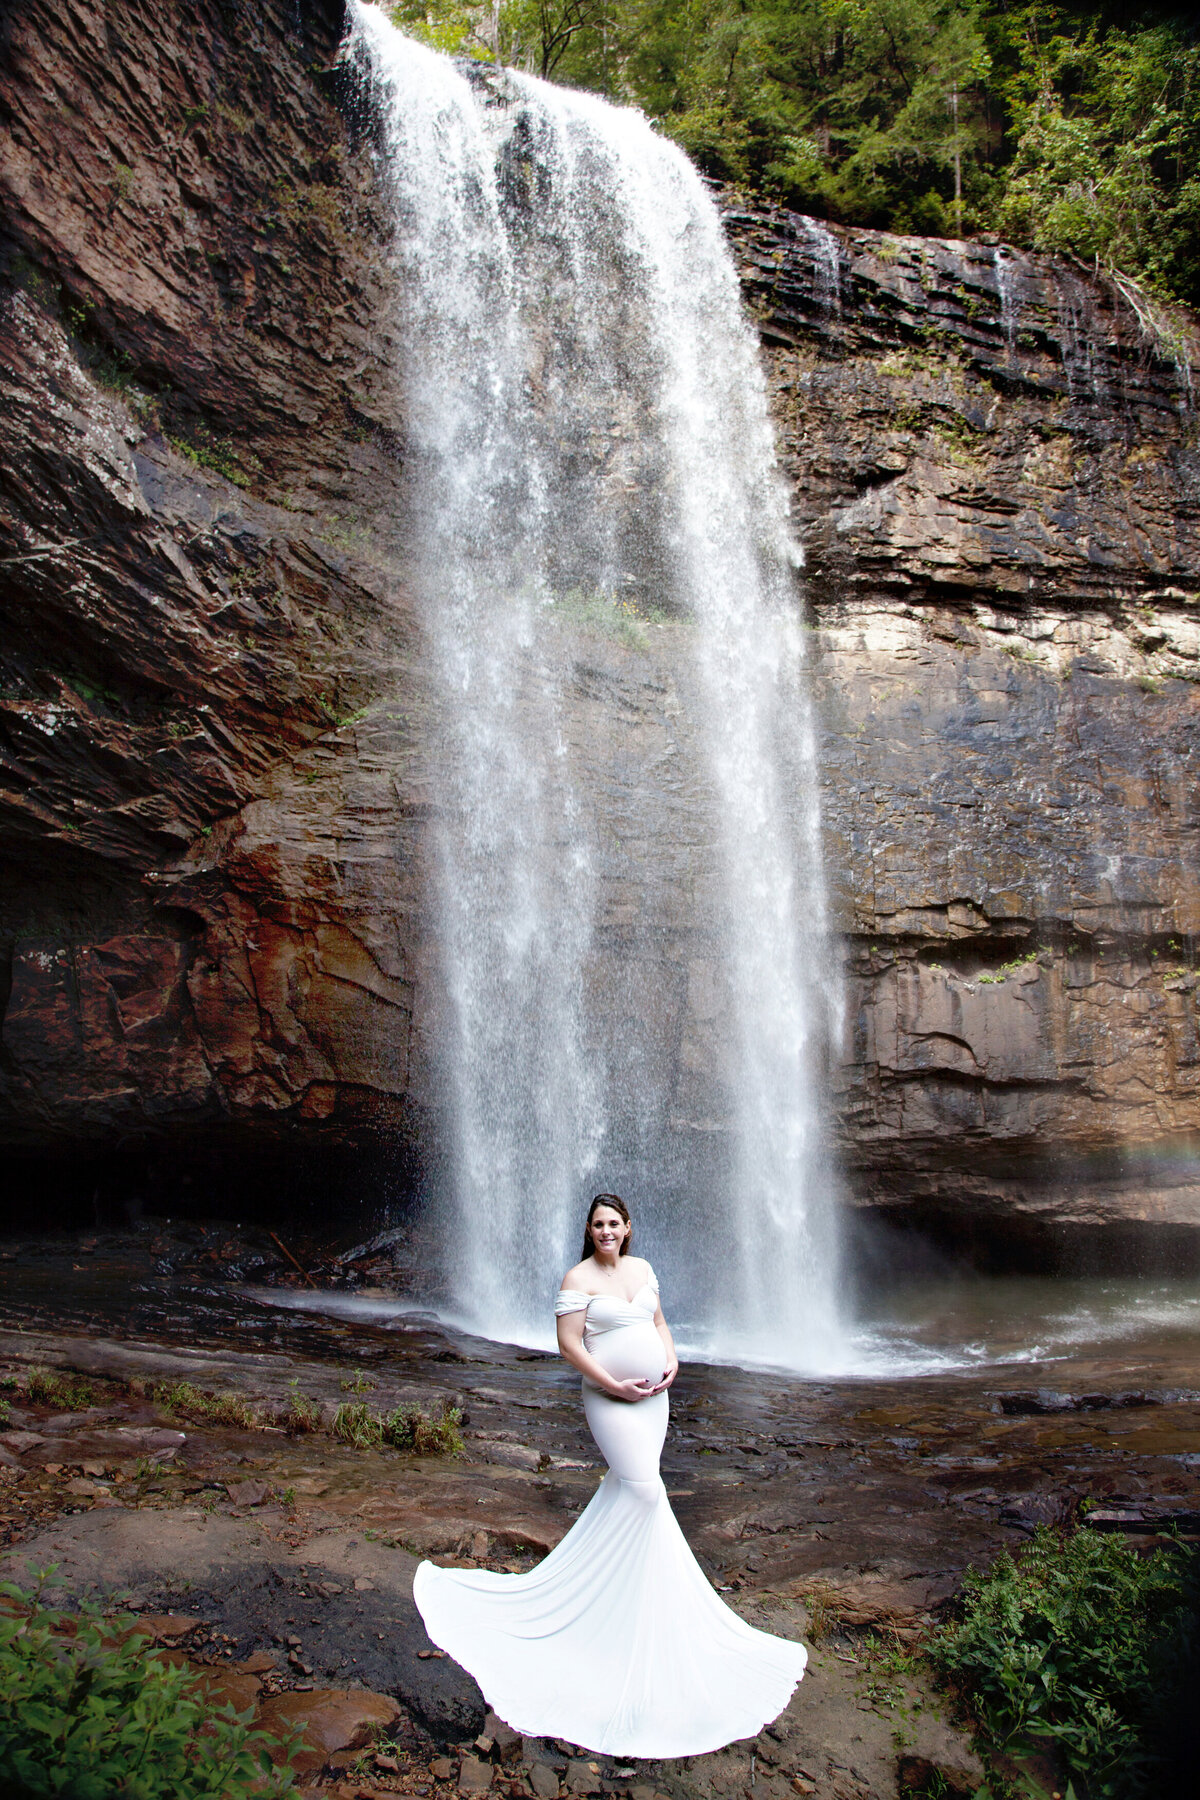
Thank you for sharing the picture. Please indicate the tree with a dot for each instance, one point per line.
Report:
(1107, 147)
(1059, 128)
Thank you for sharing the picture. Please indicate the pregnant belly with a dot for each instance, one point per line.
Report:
(630, 1351)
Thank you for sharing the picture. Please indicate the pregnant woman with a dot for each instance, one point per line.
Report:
(616, 1641)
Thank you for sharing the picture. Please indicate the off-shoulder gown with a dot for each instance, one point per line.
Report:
(616, 1641)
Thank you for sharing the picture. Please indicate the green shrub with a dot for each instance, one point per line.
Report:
(84, 1716)
(1067, 1647)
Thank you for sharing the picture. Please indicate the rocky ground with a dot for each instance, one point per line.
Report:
(280, 1561)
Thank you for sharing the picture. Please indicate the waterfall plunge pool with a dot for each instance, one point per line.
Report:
(1126, 1330)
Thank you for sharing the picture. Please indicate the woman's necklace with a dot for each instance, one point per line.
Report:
(611, 1277)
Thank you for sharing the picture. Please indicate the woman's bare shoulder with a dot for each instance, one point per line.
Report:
(638, 1263)
(578, 1276)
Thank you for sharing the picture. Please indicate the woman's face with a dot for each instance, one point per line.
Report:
(608, 1230)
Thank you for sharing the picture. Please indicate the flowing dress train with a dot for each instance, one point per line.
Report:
(616, 1641)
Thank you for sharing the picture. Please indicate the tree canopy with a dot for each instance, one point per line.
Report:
(1068, 128)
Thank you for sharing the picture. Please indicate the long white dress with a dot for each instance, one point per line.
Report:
(616, 1641)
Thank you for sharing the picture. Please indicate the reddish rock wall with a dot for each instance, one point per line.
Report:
(196, 434)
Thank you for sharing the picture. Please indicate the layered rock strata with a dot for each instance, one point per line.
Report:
(206, 899)
(996, 472)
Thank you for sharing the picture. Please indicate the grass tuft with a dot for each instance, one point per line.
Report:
(405, 1428)
(69, 1393)
(355, 1424)
(302, 1414)
(425, 1434)
(184, 1401)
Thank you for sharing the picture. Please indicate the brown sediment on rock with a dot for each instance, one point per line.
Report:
(196, 425)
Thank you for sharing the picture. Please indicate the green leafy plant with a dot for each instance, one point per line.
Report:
(338, 720)
(890, 1668)
(87, 1710)
(87, 691)
(607, 615)
(1004, 970)
(219, 455)
(358, 1383)
(1068, 1647)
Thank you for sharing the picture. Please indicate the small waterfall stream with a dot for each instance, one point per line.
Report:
(826, 255)
(590, 461)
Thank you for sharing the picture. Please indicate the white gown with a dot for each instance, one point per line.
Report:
(616, 1641)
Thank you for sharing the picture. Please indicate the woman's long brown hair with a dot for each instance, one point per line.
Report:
(618, 1206)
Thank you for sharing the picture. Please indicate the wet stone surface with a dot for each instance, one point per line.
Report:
(843, 1513)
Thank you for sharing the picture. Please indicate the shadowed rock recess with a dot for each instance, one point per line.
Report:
(213, 806)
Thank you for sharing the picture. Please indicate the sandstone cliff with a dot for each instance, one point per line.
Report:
(212, 803)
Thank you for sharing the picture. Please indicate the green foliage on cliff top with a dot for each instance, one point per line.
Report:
(1086, 1647)
(1066, 128)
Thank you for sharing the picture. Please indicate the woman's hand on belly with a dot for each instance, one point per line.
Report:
(635, 1388)
(668, 1376)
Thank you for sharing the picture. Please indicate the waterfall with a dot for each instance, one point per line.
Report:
(826, 255)
(1009, 305)
(592, 502)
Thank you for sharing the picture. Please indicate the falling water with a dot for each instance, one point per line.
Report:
(826, 255)
(589, 441)
(1009, 305)
(1075, 336)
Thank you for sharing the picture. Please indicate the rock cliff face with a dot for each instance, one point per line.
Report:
(997, 474)
(212, 713)
(197, 432)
